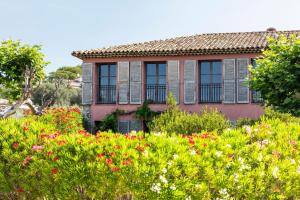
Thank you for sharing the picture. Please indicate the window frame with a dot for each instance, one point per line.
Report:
(109, 76)
(156, 80)
(211, 81)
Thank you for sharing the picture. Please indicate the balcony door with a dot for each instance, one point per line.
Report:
(107, 84)
(156, 82)
(210, 84)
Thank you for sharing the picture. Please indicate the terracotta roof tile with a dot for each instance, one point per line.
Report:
(211, 43)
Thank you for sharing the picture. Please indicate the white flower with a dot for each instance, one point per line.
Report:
(170, 163)
(188, 198)
(164, 170)
(175, 156)
(256, 130)
(265, 142)
(156, 187)
(145, 153)
(293, 161)
(275, 172)
(193, 152)
(248, 129)
(260, 157)
(224, 193)
(236, 177)
(133, 132)
(157, 133)
(228, 145)
(163, 179)
(219, 153)
(269, 132)
(173, 187)
(298, 171)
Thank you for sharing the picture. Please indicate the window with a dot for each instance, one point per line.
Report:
(210, 84)
(156, 82)
(256, 95)
(107, 83)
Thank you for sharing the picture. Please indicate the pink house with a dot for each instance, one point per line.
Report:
(206, 70)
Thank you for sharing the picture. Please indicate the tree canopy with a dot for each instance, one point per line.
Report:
(277, 75)
(21, 68)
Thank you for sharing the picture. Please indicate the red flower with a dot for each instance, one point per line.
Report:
(54, 171)
(140, 148)
(20, 189)
(112, 154)
(15, 145)
(100, 155)
(115, 169)
(25, 128)
(61, 142)
(117, 147)
(127, 162)
(204, 145)
(191, 141)
(109, 161)
(26, 160)
(55, 158)
(49, 153)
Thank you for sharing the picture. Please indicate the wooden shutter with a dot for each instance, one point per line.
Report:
(173, 78)
(189, 81)
(123, 82)
(136, 125)
(87, 83)
(135, 82)
(242, 80)
(123, 126)
(229, 80)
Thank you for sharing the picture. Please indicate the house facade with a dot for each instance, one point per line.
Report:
(206, 70)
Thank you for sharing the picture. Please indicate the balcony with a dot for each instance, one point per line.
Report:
(106, 94)
(210, 93)
(156, 93)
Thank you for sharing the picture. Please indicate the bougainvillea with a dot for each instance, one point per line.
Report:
(254, 162)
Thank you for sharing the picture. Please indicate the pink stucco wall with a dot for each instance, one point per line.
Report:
(232, 111)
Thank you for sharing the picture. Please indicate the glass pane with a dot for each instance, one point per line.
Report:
(151, 69)
(217, 68)
(112, 70)
(104, 70)
(151, 80)
(162, 80)
(104, 81)
(112, 80)
(205, 79)
(217, 78)
(205, 67)
(253, 63)
(161, 69)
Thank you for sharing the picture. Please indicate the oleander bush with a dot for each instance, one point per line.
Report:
(42, 159)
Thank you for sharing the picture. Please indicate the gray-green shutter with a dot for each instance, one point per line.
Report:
(123, 82)
(173, 78)
(242, 80)
(229, 80)
(87, 83)
(189, 81)
(135, 82)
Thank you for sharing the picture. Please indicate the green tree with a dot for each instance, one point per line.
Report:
(21, 69)
(277, 75)
(66, 73)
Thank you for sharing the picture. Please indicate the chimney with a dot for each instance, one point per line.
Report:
(271, 29)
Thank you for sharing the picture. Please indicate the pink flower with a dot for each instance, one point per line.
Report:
(37, 148)
(54, 171)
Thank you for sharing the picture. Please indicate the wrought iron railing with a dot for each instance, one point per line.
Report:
(156, 93)
(106, 94)
(210, 93)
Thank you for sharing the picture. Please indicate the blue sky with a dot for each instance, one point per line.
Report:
(62, 26)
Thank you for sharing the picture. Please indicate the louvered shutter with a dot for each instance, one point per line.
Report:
(87, 83)
(173, 78)
(123, 126)
(229, 80)
(242, 80)
(189, 81)
(123, 82)
(135, 82)
(135, 125)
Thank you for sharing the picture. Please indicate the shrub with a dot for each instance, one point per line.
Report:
(245, 122)
(285, 117)
(173, 120)
(258, 162)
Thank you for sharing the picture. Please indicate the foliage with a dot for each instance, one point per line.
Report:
(39, 162)
(110, 122)
(245, 122)
(21, 67)
(65, 96)
(173, 120)
(277, 74)
(285, 117)
(145, 114)
(67, 73)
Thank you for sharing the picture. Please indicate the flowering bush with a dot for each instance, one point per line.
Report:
(254, 162)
